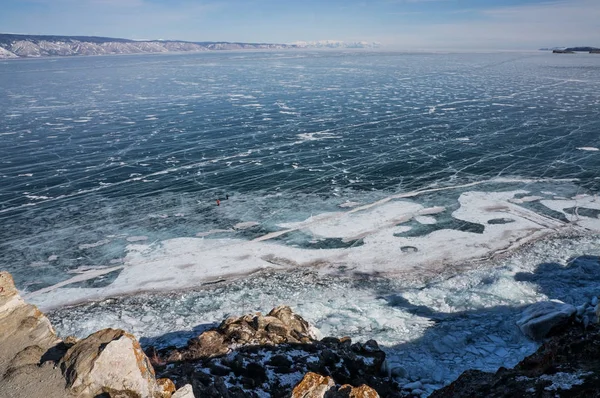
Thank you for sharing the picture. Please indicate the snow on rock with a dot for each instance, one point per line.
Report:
(4, 53)
(564, 381)
(540, 318)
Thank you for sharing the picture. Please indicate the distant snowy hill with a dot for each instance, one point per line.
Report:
(25, 46)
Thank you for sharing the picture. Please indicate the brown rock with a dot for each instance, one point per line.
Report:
(22, 319)
(208, 344)
(28, 356)
(280, 326)
(25, 336)
(109, 361)
(292, 321)
(166, 387)
(70, 340)
(364, 391)
(313, 386)
(8, 290)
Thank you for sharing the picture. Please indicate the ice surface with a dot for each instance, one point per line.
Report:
(422, 170)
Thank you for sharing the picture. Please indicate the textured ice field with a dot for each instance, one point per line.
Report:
(383, 195)
(432, 331)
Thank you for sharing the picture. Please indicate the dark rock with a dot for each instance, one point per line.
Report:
(219, 370)
(256, 372)
(279, 360)
(263, 350)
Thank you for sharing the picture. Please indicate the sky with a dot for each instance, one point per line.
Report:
(396, 24)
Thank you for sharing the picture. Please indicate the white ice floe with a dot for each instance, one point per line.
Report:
(349, 204)
(212, 231)
(425, 220)
(588, 148)
(136, 238)
(186, 262)
(526, 199)
(356, 225)
(95, 244)
(245, 225)
(577, 205)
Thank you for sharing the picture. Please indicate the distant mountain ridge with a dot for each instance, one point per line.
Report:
(572, 49)
(27, 46)
(582, 49)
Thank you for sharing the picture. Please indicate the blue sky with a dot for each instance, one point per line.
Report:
(398, 24)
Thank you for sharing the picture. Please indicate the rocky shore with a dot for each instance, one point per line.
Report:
(279, 354)
(275, 355)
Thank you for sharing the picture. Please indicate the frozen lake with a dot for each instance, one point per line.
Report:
(409, 198)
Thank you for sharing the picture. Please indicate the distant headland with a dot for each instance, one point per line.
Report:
(30, 46)
(572, 50)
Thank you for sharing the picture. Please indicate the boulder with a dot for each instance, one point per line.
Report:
(166, 387)
(209, 343)
(540, 318)
(19, 319)
(26, 340)
(110, 361)
(280, 326)
(364, 391)
(313, 386)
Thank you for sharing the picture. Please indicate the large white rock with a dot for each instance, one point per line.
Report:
(539, 318)
(109, 361)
